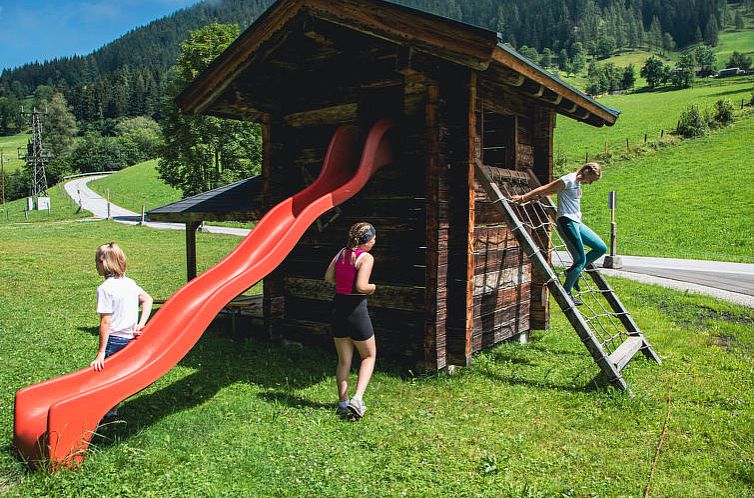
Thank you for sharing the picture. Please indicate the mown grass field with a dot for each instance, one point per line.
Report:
(9, 145)
(692, 200)
(239, 417)
(135, 186)
(644, 113)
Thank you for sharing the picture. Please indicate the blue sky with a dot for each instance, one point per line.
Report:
(44, 29)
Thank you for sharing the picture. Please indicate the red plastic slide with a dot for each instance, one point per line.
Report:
(55, 419)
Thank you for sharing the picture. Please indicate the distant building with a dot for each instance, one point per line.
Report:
(731, 71)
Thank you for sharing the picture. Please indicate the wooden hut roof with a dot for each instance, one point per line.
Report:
(409, 29)
(220, 204)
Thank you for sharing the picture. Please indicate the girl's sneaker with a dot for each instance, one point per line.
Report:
(357, 408)
(342, 411)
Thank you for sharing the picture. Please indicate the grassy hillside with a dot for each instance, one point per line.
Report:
(137, 185)
(9, 145)
(692, 200)
(240, 417)
(644, 112)
(62, 209)
(734, 41)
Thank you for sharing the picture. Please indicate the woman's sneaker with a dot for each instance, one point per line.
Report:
(357, 408)
(576, 300)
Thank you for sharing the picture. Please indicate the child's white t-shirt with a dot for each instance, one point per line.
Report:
(569, 199)
(119, 296)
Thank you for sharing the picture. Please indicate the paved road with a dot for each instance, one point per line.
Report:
(729, 281)
(96, 204)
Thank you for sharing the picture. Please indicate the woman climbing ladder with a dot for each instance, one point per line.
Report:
(575, 234)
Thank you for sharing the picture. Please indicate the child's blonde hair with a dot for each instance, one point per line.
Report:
(110, 260)
(594, 168)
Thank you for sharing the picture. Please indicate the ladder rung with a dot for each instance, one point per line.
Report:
(626, 351)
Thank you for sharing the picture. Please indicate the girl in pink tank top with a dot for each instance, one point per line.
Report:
(350, 271)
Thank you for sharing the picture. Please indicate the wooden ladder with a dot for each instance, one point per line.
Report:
(611, 364)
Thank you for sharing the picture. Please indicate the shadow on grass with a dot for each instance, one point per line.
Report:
(90, 330)
(220, 360)
(596, 383)
(742, 91)
(526, 376)
(286, 398)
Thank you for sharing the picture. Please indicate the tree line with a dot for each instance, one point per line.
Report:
(129, 76)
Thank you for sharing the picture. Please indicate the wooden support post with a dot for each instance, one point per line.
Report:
(435, 347)
(612, 260)
(191, 227)
(461, 116)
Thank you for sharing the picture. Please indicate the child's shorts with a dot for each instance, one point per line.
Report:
(350, 317)
(115, 344)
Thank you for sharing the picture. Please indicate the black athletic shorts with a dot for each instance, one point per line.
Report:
(350, 317)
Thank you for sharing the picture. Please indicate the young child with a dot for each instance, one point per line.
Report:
(118, 300)
(575, 233)
(350, 270)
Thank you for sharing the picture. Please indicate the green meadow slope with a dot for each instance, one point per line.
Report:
(644, 113)
(692, 200)
(135, 186)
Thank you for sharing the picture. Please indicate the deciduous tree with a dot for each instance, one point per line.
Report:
(201, 152)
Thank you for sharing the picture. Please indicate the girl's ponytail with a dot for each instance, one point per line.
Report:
(359, 233)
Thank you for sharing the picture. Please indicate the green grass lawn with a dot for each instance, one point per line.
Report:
(693, 200)
(135, 186)
(644, 113)
(239, 417)
(9, 145)
(62, 209)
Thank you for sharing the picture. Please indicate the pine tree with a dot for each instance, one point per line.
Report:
(711, 31)
(739, 20)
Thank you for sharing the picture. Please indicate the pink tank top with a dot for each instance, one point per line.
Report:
(345, 272)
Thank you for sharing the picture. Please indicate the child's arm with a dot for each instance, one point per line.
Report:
(363, 274)
(104, 332)
(146, 309)
(330, 273)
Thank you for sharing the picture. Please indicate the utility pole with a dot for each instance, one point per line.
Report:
(36, 157)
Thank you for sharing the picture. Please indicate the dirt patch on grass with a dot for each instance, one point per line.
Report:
(699, 315)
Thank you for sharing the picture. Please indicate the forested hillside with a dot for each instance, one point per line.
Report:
(128, 77)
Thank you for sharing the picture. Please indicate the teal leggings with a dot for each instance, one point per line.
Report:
(576, 235)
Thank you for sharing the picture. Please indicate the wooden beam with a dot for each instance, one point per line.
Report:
(337, 114)
(505, 58)
(471, 194)
(191, 228)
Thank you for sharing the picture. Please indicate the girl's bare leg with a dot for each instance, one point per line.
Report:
(344, 347)
(368, 352)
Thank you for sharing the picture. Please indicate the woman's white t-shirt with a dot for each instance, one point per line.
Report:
(119, 296)
(569, 199)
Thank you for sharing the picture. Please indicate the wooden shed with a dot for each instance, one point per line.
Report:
(451, 277)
